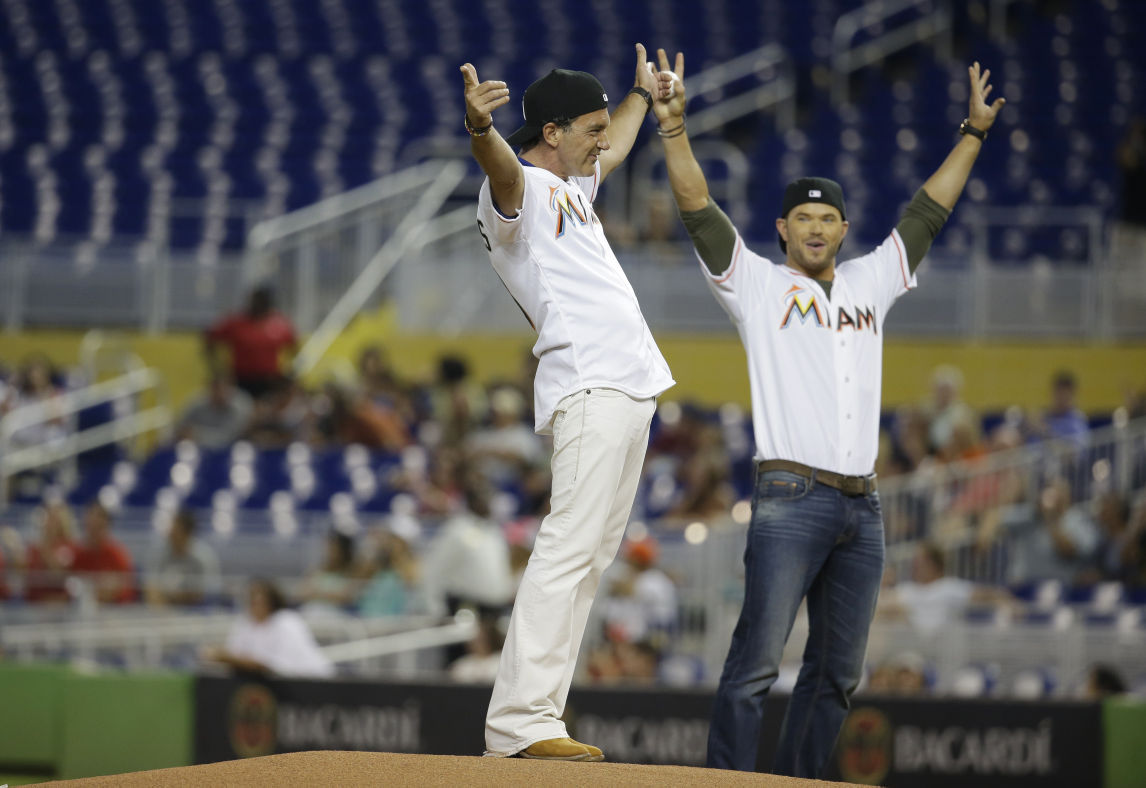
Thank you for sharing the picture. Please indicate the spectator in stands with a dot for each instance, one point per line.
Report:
(34, 384)
(910, 440)
(6, 534)
(1112, 514)
(1052, 539)
(456, 403)
(217, 417)
(623, 661)
(643, 603)
(483, 654)
(392, 572)
(336, 582)
(281, 417)
(256, 338)
(467, 563)
(1063, 420)
(1102, 682)
(382, 386)
(185, 569)
(48, 560)
(954, 426)
(508, 447)
(1134, 553)
(347, 416)
(902, 674)
(271, 639)
(703, 478)
(931, 600)
(432, 480)
(105, 561)
(976, 500)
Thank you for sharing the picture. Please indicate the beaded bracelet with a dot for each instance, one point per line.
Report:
(476, 132)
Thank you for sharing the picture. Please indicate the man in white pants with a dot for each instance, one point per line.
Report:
(598, 375)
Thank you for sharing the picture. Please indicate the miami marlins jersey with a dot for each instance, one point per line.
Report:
(815, 364)
(557, 265)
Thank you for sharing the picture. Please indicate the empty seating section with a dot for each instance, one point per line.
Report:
(176, 121)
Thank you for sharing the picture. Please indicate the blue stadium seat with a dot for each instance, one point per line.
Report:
(324, 56)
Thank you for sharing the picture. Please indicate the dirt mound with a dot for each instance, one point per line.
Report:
(392, 769)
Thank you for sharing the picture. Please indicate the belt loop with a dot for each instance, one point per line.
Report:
(812, 480)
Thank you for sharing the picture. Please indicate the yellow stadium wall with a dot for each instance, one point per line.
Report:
(707, 369)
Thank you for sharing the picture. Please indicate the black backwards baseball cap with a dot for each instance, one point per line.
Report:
(804, 190)
(558, 94)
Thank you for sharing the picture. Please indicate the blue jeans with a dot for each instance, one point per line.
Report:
(806, 539)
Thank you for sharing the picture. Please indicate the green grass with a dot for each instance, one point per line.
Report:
(12, 780)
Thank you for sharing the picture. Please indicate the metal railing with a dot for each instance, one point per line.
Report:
(140, 419)
(967, 506)
(770, 64)
(956, 297)
(933, 22)
(771, 68)
(316, 255)
(412, 234)
(139, 637)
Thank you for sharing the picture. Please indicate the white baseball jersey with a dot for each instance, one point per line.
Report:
(557, 265)
(815, 363)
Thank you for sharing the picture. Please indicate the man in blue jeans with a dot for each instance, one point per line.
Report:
(812, 331)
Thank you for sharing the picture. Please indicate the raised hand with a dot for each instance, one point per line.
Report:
(482, 98)
(669, 101)
(980, 113)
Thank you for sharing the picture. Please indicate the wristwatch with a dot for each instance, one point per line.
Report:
(966, 128)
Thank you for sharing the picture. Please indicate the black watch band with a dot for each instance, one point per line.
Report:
(648, 97)
(966, 128)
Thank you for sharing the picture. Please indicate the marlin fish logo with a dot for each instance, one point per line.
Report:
(564, 207)
(802, 304)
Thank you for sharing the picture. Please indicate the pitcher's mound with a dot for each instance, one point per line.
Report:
(392, 769)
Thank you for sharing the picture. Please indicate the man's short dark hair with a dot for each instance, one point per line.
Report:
(262, 300)
(934, 554)
(452, 369)
(562, 123)
(185, 521)
(1107, 681)
(276, 601)
(1065, 379)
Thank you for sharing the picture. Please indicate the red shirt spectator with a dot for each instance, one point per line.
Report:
(47, 571)
(256, 339)
(48, 560)
(3, 578)
(102, 554)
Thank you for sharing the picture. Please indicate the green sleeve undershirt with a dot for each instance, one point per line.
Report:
(714, 236)
(922, 220)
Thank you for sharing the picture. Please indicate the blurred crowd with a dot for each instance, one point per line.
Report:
(470, 462)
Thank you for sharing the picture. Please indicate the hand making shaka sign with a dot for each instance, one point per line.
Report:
(482, 98)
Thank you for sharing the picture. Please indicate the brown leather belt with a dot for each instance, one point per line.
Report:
(848, 485)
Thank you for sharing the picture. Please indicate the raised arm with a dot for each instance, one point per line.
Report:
(709, 228)
(492, 152)
(928, 210)
(626, 119)
(946, 183)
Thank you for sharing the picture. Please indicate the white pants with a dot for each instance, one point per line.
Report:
(599, 442)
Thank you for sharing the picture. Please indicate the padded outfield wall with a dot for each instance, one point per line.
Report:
(55, 722)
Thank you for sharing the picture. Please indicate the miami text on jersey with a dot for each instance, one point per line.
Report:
(564, 207)
(802, 306)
